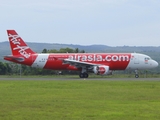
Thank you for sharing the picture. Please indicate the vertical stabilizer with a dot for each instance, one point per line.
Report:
(18, 46)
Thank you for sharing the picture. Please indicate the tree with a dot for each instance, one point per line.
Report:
(82, 51)
(44, 50)
(66, 50)
(53, 51)
(8, 68)
(76, 50)
(4, 68)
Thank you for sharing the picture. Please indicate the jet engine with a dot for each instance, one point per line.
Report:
(102, 70)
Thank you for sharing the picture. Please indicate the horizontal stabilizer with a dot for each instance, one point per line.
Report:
(10, 57)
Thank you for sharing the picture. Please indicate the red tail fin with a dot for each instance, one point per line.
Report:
(18, 46)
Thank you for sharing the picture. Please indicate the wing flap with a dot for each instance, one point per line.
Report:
(78, 63)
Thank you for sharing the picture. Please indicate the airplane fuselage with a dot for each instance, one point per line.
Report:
(116, 61)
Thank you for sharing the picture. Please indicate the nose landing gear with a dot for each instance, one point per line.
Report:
(136, 74)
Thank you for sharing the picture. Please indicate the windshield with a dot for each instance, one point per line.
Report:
(147, 58)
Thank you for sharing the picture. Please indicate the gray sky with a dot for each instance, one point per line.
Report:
(84, 22)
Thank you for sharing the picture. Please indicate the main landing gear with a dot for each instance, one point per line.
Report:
(136, 74)
(83, 75)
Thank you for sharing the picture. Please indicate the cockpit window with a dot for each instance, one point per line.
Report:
(147, 58)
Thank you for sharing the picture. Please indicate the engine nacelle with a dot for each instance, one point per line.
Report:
(102, 70)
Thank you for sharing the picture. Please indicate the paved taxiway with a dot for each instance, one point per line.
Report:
(63, 78)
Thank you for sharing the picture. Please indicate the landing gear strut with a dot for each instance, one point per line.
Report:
(136, 74)
(83, 75)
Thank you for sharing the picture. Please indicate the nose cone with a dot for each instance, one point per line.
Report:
(154, 64)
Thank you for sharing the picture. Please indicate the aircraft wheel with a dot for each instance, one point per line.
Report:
(81, 75)
(136, 76)
(85, 75)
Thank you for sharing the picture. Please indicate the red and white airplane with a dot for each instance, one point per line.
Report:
(98, 63)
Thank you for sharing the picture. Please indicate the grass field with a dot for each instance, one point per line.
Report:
(79, 100)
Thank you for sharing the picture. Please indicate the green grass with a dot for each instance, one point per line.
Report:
(79, 100)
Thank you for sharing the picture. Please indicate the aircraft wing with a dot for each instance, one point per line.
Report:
(79, 64)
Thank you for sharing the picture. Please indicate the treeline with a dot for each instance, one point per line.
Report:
(63, 50)
(17, 69)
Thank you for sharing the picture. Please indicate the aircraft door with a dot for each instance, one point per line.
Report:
(136, 59)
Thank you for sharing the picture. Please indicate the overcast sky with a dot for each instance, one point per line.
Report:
(83, 22)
